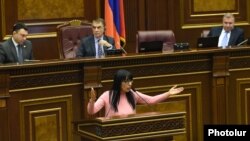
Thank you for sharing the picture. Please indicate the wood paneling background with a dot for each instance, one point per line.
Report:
(187, 18)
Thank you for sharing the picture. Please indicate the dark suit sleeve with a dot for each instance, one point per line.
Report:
(241, 36)
(2, 54)
(215, 31)
(112, 42)
(30, 51)
(210, 34)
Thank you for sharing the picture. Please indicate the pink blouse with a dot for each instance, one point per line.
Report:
(124, 108)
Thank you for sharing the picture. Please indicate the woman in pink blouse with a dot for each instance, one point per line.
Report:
(122, 99)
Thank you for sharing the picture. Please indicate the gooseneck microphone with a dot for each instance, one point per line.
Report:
(243, 42)
(108, 111)
(134, 91)
(124, 51)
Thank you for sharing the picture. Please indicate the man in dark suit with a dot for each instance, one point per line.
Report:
(228, 34)
(95, 45)
(17, 48)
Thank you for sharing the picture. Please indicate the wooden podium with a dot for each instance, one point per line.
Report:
(133, 127)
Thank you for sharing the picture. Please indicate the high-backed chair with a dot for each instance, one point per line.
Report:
(69, 35)
(204, 33)
(148, 37)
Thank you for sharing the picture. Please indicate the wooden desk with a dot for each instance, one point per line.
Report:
(39, 100)
(135, 127)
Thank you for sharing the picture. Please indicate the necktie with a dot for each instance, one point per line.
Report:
(224, 42)
(100, 51)
(20, 54)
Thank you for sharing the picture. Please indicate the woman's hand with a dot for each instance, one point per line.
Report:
(92, 95)
(175, 90)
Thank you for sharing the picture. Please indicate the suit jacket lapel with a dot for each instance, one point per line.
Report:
(219, 31)
(13, 49)
(92, 44)
(232, 37)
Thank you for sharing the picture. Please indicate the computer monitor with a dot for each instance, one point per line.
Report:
(114, 52)
(204, 42)
(151, 46)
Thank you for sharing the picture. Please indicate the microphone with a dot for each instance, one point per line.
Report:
(107, 112)
(134, 91)
(243, 42)
(123, 50)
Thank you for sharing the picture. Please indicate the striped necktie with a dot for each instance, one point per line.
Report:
(99, 50)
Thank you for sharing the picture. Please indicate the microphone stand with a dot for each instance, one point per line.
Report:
(243, 42)
(124, 51)
(134, 91)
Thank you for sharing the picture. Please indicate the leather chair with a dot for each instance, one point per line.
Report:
(204, 33)
(166, 36)
(69, 35)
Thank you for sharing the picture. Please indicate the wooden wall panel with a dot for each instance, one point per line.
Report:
(134, 13)
(242, 100)
(45, 48)
(50, 9)
(38, 113)
(213, 5)
(199, 12)
(157, 15)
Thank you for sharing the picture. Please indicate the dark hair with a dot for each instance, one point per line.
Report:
(114, 94)
(18, 26)
(100, 20)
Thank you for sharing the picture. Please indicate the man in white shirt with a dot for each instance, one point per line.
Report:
(228, 34)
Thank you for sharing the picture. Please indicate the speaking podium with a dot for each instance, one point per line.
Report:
(133, 127)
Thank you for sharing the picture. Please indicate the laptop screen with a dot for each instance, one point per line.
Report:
(204, 42)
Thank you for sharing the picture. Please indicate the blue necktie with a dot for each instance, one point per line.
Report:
(224, 42)
(99, 51)
(20, 53)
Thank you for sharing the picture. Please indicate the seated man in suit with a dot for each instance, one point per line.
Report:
(228, 34)
(17, 48)
(96, 44)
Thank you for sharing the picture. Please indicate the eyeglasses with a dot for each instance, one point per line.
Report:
(130, 82)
